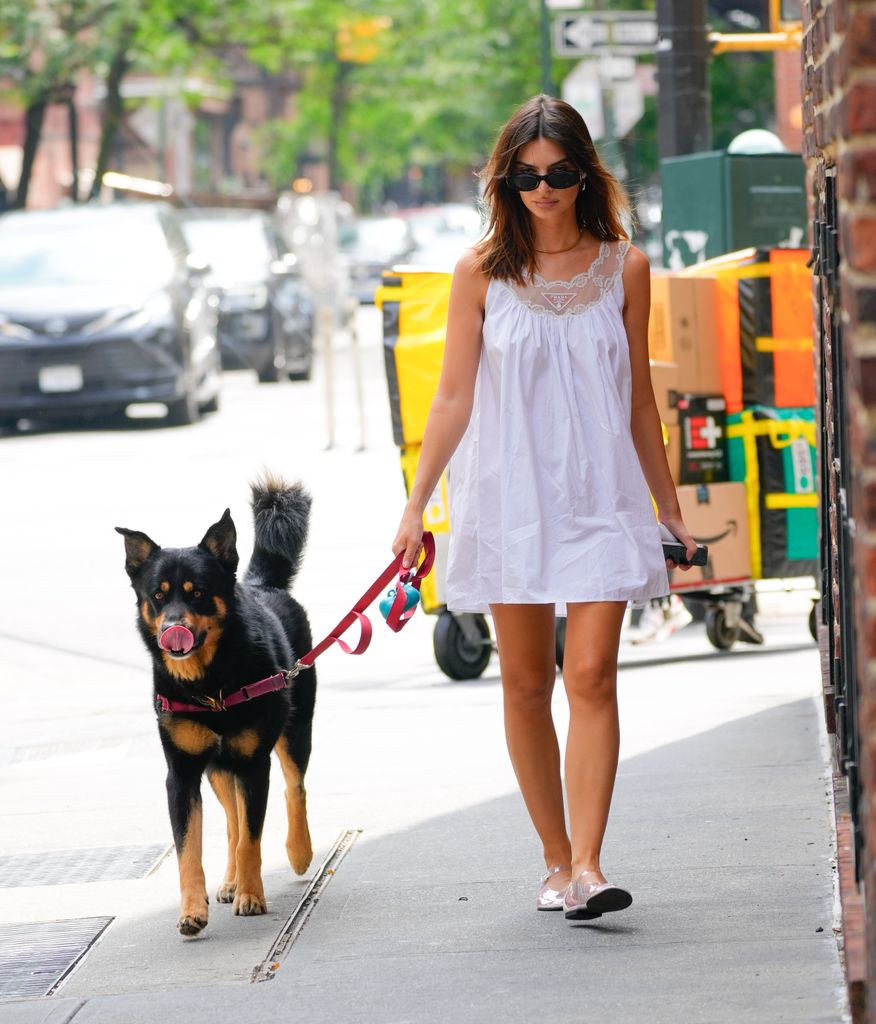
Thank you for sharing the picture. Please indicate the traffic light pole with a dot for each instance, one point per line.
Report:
(684, 121)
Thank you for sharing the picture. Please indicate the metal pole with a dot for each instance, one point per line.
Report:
(684, 120)
(547, 80)
(326, 322)
(357, 380)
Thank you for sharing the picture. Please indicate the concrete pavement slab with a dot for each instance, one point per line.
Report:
(40, 1011)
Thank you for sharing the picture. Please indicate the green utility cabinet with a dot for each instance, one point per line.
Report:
(718, 202)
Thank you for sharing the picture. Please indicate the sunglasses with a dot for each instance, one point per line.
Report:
(526, 181)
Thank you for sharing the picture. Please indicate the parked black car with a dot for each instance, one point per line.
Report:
(102, 308)
(266, 310)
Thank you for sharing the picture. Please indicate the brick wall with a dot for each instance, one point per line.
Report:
(839, 124)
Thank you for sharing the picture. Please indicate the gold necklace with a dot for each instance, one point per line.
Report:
(556, 252)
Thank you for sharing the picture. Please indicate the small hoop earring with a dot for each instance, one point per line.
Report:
(583, 184)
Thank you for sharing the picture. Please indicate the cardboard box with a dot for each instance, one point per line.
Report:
(702, 422)
(716, 515)
(683, 329)
(664, 381)
(660, 324)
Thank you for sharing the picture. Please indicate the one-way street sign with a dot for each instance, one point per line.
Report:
(623, 32)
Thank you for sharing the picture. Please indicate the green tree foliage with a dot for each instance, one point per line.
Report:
(443, 78)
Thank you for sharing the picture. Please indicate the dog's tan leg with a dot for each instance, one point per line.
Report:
(249, 898)
(223, 787)
(193, 911)
(299, 848)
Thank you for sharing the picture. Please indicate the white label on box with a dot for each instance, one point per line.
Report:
(54, 379)
(801, 461)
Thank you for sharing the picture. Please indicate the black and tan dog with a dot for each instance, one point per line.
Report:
(209, 635)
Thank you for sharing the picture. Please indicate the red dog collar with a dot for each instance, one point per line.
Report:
(220, 703)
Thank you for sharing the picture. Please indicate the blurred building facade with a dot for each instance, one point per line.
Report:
(209, 147)
(839, 146)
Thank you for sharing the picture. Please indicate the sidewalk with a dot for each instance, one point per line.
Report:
(720, 828)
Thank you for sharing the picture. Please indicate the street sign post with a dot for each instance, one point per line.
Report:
(620, 32)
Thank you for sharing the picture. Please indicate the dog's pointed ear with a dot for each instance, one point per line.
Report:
(138, 549)
(221, 541)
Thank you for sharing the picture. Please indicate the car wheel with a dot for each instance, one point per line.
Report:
(270, 374)
(184, 411)
(302, 374)
(212, 405)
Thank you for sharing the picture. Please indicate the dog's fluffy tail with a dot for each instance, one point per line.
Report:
(282, 515)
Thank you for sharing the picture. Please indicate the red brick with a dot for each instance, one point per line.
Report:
(857, 175)
(840, 15)
(859, 233)
(859, 302)
(861, 38)
(859, 107)
(868, 504)
(867, 377)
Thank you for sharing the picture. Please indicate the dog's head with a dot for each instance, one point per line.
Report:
(183, 595)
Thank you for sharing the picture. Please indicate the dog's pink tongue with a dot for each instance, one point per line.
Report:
(177, 639)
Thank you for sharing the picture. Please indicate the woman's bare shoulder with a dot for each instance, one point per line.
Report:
(468, 277)
(636, 262)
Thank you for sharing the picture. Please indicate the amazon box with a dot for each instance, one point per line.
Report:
(664, 381)
(716, 515)
(683, 329)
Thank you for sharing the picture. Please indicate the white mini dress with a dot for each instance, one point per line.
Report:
(548, 502)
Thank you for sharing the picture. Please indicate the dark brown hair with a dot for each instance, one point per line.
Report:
(508, 250)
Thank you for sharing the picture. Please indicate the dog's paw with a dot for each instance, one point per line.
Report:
(225, 892)
(191, 924)
(300, 860)
(193, 915)
(299, 850)
(249, 904)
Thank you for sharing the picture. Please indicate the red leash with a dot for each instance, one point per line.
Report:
(396, 618)
(398, 615)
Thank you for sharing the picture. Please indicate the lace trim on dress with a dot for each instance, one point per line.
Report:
(585, 290)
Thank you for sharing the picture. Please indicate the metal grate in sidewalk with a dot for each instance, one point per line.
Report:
(71, 867)
(35, 958)
(290, 931)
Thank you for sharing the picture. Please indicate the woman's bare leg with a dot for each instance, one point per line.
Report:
(525, 638)
(590, 676)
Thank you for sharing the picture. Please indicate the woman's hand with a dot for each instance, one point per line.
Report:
(409, 539)
(675, 524)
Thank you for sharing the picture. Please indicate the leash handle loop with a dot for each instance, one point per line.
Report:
(397, 615)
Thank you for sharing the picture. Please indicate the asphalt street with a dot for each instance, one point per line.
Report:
(721, 825)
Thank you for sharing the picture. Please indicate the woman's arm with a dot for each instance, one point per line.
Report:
(645, 419)
(451, 408)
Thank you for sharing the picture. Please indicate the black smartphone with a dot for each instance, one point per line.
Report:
(676, 551)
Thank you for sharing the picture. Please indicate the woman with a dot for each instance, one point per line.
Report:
(545, 398)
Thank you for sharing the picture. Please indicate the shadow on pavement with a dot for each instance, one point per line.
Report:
(724, 839)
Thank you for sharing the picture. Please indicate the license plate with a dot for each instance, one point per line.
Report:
(53, 379)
